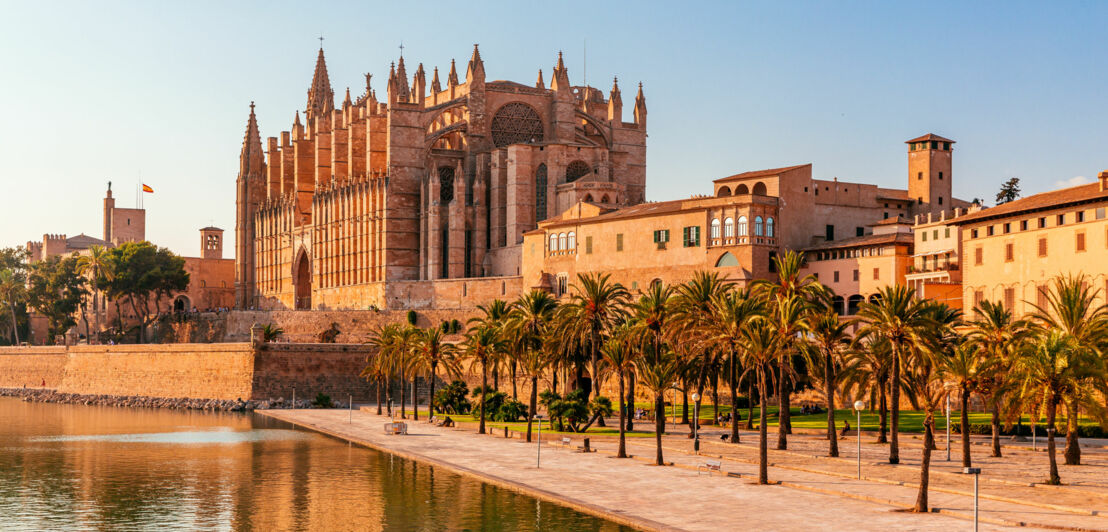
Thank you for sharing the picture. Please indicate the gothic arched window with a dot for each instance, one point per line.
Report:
(516, 123)
(540, 193)
(446, 184)
(576, 170)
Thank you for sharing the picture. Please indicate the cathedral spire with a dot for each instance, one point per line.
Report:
(560, 80)
(475, 71)
(251, 158)
(452, 78)
(346, 102)
(540, 84)
(436, 87)
(403, 92)
(321, 99)
(640, 108)
(615, 103)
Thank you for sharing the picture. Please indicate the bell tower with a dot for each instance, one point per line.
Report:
(211, 243)
(929, 173)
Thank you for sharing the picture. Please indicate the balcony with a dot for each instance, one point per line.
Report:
(949, 267)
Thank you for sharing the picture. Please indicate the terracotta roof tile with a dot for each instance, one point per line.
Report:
(760, 173)
(867, 240)
(929, 136)
(1041, 201)
(892, 221)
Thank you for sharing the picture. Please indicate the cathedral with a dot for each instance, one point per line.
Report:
(421, 200)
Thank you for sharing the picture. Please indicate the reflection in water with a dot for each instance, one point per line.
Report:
(85, 467)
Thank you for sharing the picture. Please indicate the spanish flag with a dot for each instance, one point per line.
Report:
(146, 188)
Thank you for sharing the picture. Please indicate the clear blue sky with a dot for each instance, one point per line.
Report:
(98, 91)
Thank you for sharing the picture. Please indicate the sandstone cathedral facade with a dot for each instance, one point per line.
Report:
(422, 199)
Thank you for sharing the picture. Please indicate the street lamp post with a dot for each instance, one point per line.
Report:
(858, 406)
(976, 472)
(948, 427)
(538, 448)
(696, 423)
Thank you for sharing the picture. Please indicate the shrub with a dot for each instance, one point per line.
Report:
(451, 399)
(510, 411)
(412, 317)
(323, 401)
(445, 326)
(455, 326)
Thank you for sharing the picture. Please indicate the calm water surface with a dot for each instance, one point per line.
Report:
(70, 467)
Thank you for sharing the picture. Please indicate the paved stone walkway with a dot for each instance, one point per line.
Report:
(649, 497)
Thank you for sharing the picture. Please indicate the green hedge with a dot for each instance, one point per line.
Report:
(1084, 431)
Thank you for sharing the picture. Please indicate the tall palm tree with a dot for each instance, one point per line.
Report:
(924, 380)
(432, 350)
(901, 320)
(965, 368)
(1072, 309)
(1055, 368)
(619, 356)
(731, 313)
(494, 314)
(651, 323)
(11, 292)
(379, 368)
(658, 371)
(866, 366)
(827, 341)
(481, 344)
(596, 306)
(996, 335)
(528, 320)
(760, 353)
(692, 312)
(97, 267)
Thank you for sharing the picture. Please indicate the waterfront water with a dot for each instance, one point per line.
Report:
(74, 467)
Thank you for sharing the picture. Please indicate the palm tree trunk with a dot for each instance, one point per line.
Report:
(15, 323)
(403, 403)
(696, 408)
(782, 408)
(1051, 413)
(964, 427)
(534, 405)
(925, 464)
(484, 389)
(415, 398)
(622, 452)
(388, 396)
(715, 399)
(787, 420)
(1073, 443)
(996, 425)
(734, 400)
(749, 407)
(594, 382)
(763, 448)
(515, 387)
(631, 401)
(659, 426)
(378, 386)
(894, 392)
(685, 405)
(431, 392)
(829, 390)
(883, 415)
(496, 377)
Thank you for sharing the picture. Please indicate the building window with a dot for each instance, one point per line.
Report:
(769, 227)
(572, 241)
(836, 276)
(773, 262)
(1041, 296)
(978, 296)
(855, 275)
(1009, 252)
(940, 179)
(919, 177)
(876, 274)
(1007, 227)
(977, 256)
(946, 233)
(990, 230)
(859, 231)
(1080, 216)
(935, 234)
(1081, 241)
(661, 236)
(1042, 246)
(1061, 219)
(729, 228)
(588, 245)
(562, 244)
(1100, 213)
(1010, 299)
(743, 226)
(923, 236)
(829, 232)
(619, 241)
(540, 193)
(886, 216)
(758, 226)
(690, 236)
(973, 233)
(563, 283)
(1042, 222)
(715, 228)
(940, 197)
(1023, 225)
(553, 242)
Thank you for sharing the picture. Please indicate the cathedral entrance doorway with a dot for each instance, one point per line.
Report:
(303, 283)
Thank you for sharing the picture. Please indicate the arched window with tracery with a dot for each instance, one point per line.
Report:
(715, 227)
(446, 184)
(757, 226)
(553, 242)
(742, 226)
(729, 227)
(571, 241)
(516, 123)
(576, 170)
(540, 193)
(769, 227)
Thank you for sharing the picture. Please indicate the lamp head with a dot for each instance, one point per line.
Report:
(695, 396)
(859, 404)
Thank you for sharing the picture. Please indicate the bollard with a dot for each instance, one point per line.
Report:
(587, 449)
(506, 432)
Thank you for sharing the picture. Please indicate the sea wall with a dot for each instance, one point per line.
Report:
(32, 366)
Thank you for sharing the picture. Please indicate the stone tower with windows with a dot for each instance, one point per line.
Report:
(929, 174)
(211, 243)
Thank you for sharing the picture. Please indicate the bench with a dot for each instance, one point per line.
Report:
(396, 428)
(566, 441)
(711, 466)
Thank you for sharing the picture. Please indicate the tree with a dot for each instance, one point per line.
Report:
(620, 357)
(596, 306)
(140, 271)
(481, 344)
(1056, 369)
(900, 319)
(658, 371)
(996, 335)
(966, 368)
(692, 314)
(923, 379)
(12, 292)
(732, 312)
(96, 266)
(55, 291)
(1009, 191)
(1072, 309)
(430, 351)
(761, 351)
(867, 367)
(528, 320)
(827, 341)
(494, 315)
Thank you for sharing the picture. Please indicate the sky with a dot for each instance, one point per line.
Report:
(159, 92)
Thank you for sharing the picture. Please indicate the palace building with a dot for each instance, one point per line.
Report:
(422, 199)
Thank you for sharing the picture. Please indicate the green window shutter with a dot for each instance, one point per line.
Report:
(588, 245)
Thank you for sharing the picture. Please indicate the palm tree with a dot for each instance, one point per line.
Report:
(494, 315)
(1057, 369)
(528, 320)
(596, 306)
(431, 350)
(658, 371)
(378, 367)
(921, 377)
(827, 341)
(481, 344)
(900, 319)
(760, 353)
(731, 313)
(619, 356)
(97, 266)
(1072, 309)
(965, 369)
(996, 334)
(11, 292)
(692, 312)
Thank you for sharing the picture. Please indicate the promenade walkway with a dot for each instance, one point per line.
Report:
(635, 493)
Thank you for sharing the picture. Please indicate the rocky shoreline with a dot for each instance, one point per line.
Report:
(216, 405)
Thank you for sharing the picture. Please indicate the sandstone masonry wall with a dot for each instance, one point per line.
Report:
(30, 366)
(211, 371)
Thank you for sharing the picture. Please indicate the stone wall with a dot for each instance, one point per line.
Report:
(331, 369)
(31, 366)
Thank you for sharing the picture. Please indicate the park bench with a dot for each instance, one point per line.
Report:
(711, 466)
(566, 441)
(396, 428)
